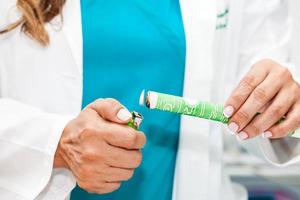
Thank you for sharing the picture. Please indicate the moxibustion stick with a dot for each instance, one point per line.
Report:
(184, 106)
(179, 105)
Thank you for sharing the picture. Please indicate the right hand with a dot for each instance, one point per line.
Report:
(100, 148)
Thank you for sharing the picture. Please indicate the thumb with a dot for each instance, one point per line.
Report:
(111, 110)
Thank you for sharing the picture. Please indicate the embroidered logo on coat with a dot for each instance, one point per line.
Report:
(222, 15)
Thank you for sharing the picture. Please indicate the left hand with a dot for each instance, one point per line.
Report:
(268, 89)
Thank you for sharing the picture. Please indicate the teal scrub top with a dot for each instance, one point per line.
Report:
(128, 46)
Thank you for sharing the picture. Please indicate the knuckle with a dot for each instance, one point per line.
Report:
(117, 186)
(260, 95)
(129, 175)
(144, 139)
(236, 99)
(242, 116)
(295, 91)
(248, 82)
(267, 62)
(86, 134)
(112, 102)
(291, 98)
(276, 111)
(110, 188)
(88, 127)
(132, 140)
(137, 159)
(285, 73)
(98, 101)
(89, 155)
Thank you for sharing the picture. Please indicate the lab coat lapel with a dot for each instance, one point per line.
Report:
(73, 31)
(192, 167)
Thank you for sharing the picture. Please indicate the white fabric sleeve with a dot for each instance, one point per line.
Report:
(28, 141)
(59, 187)
(266, 33)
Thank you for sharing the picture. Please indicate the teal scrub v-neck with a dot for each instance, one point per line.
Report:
(128, 46)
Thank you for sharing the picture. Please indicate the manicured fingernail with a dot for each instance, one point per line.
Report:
(233, 127)
(228, 111)
(267, 134)
(124, 115)
(242, 136)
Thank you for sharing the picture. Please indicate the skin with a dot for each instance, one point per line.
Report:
(100, 149)
(269, 89)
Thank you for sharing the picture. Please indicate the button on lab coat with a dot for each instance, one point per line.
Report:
(41, 90)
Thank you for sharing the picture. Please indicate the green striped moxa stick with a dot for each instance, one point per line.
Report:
(184, 106)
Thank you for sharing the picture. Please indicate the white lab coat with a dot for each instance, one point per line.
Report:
(41, 90)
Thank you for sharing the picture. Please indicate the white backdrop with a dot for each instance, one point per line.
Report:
(295, 7)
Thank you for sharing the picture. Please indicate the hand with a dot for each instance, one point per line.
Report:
(268, 89)
(100, 148)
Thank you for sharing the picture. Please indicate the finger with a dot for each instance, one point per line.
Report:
(121, 158)
(124, 137)
(252, 79)
(109, 187)
(90, 188)
(118, 174)
(109, 174)
(100, 188)
(279, 107)
(265, 107)
(111, 110)
(260, 97)
(290, 124)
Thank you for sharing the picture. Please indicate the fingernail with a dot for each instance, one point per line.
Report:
(228, 111)
(242, 136)
(267, 134)
(233, 127)
(124, 115)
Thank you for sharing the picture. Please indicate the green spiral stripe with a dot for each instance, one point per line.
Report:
(184, 106)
